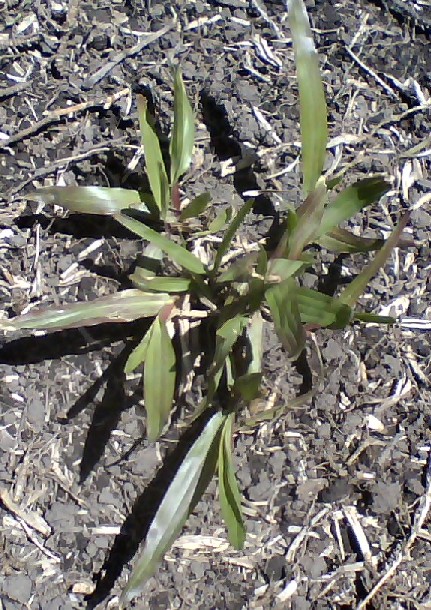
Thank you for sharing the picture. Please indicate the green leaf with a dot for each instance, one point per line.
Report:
(279, 269)
(255, 338)
(354, 290)
(159, 378)
(231, 330)
(230, 233)
(197, 206)
(308, 221)
(341, 240)
(372, 318)
(91, 199)
(123, 306)
(321, 309)
(219, 221)
(183, 133)
(184, 491)
(262, 262)
(177, 253)
(283, 303)
(351, 201)
(331, 183)
(226, 337)
(138, 355)
(230, 497)
(154, 163)
(248, 385)
(313, 113)
(159, 284)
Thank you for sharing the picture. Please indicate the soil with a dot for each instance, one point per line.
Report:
(337, 493)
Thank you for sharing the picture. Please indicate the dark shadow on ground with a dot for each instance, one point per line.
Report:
(55, 345)
(79, 226)
(106, 415)
(107, 412)
(406, 12)
(303, 368)
(226, 145)
(329, 282)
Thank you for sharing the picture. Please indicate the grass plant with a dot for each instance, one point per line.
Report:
(233, 297)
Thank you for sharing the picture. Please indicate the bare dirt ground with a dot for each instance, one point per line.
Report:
(337, 493)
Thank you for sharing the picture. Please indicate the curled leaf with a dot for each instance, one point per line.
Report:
(159, 284)
(341, 240)
(321, 309)
(308, 220)
(138, 355)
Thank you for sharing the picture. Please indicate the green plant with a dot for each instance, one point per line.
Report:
(234, 299)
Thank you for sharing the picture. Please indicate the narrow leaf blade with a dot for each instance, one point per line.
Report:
(313, 113)
(159, 379)
(220, 221)
(230, 233)
(124, 306)
(280, 269)
(226, 337)
(159, 284)
(183, 133)
(91, 199)
(154, 163)
(322, 310)
(177, 253)
(138, 355)
(197, 206)
(230, 497)
(372, 318)
(175, 507)
(354, 290)
(343, 241)
(352, 200)
(240, 269)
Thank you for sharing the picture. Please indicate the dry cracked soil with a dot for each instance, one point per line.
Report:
(337, 492)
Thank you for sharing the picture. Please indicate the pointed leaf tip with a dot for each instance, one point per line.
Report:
(313, 112)
(183, 132)
(154, 163)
